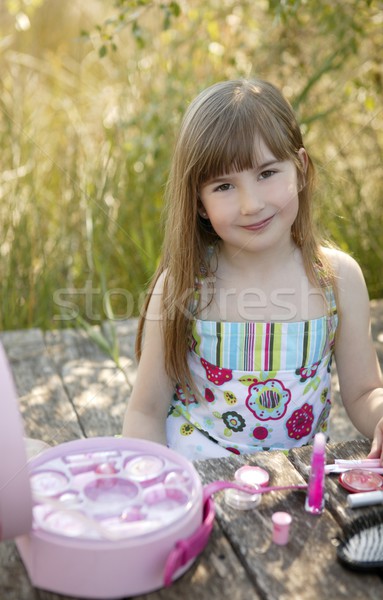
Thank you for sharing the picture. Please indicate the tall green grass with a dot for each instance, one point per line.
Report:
(86, 145)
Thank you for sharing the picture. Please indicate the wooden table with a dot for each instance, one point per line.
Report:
(70, 389)
(240, 561)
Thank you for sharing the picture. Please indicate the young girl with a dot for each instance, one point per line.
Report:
(247, 306)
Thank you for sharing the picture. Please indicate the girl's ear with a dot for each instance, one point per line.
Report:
(302, 155)
(304, 160)
(201, 211)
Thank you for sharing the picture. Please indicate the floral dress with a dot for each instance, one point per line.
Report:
(264, 386)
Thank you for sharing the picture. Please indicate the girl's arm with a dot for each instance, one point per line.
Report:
(359, 373)
(147, 409)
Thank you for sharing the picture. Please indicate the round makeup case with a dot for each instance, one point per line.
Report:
(100, 517)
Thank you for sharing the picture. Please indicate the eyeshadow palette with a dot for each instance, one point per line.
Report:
(100, 517)
(112, 511)
(110, 494)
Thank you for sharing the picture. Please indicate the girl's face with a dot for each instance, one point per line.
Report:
(254, 210)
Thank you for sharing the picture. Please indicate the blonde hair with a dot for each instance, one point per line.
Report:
(217, 135)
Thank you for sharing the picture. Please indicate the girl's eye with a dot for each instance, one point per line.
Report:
(223, 187)
(266, 174)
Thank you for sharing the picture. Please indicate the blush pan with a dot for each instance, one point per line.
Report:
(361, 480)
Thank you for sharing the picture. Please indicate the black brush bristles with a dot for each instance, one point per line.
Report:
(361, 546)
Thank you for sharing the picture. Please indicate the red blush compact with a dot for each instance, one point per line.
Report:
(361, 480)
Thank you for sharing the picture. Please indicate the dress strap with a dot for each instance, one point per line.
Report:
(331, 300)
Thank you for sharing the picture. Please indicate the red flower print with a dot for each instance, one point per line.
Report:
(233, 450)
(268, 399)
(209, 395)
(260, 433)
(217, 375)
(300, 423)
(307, 372)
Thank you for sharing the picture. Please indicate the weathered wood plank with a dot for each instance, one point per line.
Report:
(14, 581)
(286, 572)
(46, 408)
(217, 573)
(99, 393)
(97, 388)
(65, 345)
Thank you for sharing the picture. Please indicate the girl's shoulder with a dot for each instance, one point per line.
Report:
(158, 283)
(351, 289)
(343, 264)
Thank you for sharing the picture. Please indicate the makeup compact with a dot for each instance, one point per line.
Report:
(361, 480)
(100, 517)
(253, 476)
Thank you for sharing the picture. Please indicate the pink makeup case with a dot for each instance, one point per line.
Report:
(100, 517)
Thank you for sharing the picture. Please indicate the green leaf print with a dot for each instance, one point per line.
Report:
(312, 384)
(248, 380)
(230, 398)
(217, 415)
(227, 432)
(265, 375)
(177, 412)
(197, 338)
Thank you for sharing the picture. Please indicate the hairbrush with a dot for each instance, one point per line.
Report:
(361, 546)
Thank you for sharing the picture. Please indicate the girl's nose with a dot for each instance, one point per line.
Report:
(251, 202)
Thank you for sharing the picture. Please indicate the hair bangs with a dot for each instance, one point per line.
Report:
(231, 148)
(232, 141)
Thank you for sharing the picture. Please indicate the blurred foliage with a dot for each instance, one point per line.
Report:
(91, 96)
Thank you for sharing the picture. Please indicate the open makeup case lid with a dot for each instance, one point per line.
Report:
(15, 489)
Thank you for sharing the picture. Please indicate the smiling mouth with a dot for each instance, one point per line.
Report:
(258, 226)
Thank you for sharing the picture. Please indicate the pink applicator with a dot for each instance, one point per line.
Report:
(315, 493)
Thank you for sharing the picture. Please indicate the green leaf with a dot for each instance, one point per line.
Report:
(175, 9)
(102, 51)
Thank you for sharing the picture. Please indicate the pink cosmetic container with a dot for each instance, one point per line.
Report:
(361, 480)
(281, 527)
(252, 475)
(100, 517)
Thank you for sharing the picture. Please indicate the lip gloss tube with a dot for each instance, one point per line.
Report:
(362, 462)
(335, 468)
(365, 499)
(315, 493)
